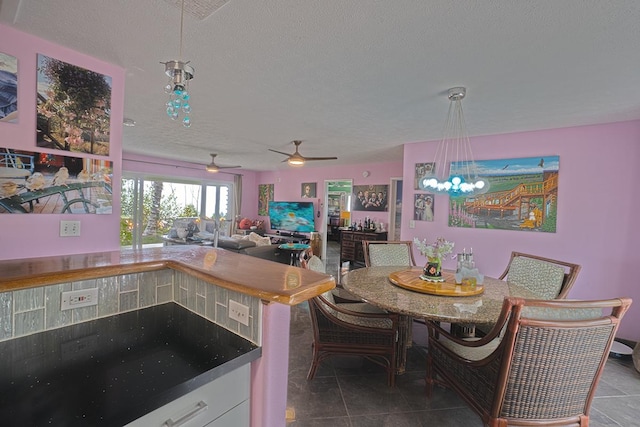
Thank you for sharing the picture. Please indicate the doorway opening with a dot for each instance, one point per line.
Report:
(337, 212)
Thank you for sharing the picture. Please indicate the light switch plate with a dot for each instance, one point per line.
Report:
(69, 228)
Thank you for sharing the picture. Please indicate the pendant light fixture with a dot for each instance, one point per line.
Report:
(180, 73)
(461, 176)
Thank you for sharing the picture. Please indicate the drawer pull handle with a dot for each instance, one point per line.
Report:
(199, 408)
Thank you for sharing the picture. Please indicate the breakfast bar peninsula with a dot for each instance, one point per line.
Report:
(148, 298)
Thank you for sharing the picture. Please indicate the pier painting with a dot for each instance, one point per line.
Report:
(522, 195)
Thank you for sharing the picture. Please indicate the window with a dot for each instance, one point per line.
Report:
(149, 207)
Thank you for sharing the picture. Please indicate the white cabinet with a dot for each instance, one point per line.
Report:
(222, 402)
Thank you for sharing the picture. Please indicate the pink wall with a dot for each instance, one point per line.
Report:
(27, 235)
(287, 183)
(598, 200)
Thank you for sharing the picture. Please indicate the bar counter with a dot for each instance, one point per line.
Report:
(252, 276)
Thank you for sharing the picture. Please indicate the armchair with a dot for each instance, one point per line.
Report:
(543, 371)
(384, 252)
(548, 278)
(338, 329)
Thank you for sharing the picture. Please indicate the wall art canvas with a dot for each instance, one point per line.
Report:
(423, 207)
(308, 190)
(73, 108)
(422, 170)
(265, 195)
(40, 183)
(370, 198)
(8, 88)
(521, 194)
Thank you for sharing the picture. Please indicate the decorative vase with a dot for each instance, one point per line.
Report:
(432, 270)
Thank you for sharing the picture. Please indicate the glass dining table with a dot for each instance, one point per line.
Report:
(376, 286)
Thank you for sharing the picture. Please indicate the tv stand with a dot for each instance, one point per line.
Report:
(288, 237)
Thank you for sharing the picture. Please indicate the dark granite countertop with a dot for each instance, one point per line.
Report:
(113, 370)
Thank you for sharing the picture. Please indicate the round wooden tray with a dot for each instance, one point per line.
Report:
(410, 279)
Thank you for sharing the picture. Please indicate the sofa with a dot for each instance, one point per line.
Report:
(249, 247)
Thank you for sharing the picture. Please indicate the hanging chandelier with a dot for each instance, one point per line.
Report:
(180, 73)
(462, 177)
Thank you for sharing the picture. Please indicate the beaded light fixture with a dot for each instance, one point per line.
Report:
(180, 73)
(462, 177)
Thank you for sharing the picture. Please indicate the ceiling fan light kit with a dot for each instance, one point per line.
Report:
(296, 159)
(214, 168)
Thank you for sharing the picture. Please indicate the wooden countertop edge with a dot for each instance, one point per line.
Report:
(45, 279)
(88, 273)
(284, 298)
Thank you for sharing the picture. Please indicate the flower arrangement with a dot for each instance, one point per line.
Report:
(437, 250)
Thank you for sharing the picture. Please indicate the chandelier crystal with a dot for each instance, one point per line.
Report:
(179, 73)
(462, 177)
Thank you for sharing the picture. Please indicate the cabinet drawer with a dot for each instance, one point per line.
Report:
(238, 416)
(204, 404)
(348, 253)
(347, 236)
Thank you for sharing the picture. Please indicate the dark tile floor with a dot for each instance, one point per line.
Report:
(350, 392)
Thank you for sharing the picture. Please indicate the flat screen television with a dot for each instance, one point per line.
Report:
(296, 217)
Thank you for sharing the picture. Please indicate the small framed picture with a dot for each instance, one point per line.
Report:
(308, 190)
(423, 207)
(422, 170)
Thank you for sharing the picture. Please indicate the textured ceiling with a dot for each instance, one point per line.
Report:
(352, 78)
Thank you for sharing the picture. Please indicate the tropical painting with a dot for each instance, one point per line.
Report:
(73, 108)
(41, 183)
(521, 194)
(8, 88)
(265, 195)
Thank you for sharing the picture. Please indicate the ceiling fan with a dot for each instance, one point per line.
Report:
(297, 159)
(212, 167)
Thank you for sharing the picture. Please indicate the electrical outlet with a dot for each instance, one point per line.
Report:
(69, 228)
(79, 298)
(412, 223)
(239, 312)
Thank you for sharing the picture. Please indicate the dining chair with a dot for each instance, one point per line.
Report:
(355, 328)
(381, 253)
(352, 329)
(545, 368)
(547, 278)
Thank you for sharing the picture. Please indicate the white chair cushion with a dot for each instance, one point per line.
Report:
(471, 353)
(315, 264)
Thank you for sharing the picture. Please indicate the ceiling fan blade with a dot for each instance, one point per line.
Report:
(321, 158)
(228, 167)
(279, 152)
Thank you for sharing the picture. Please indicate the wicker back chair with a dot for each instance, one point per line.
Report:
(379, 253)
(338, 329)
(543, 371)
(549, 278)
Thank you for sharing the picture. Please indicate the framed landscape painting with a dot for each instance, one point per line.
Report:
(44, 183)
(521, 194)
(73, 107)
(265, 195)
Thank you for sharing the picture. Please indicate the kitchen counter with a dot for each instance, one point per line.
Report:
(113, 370)
(260, 278)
